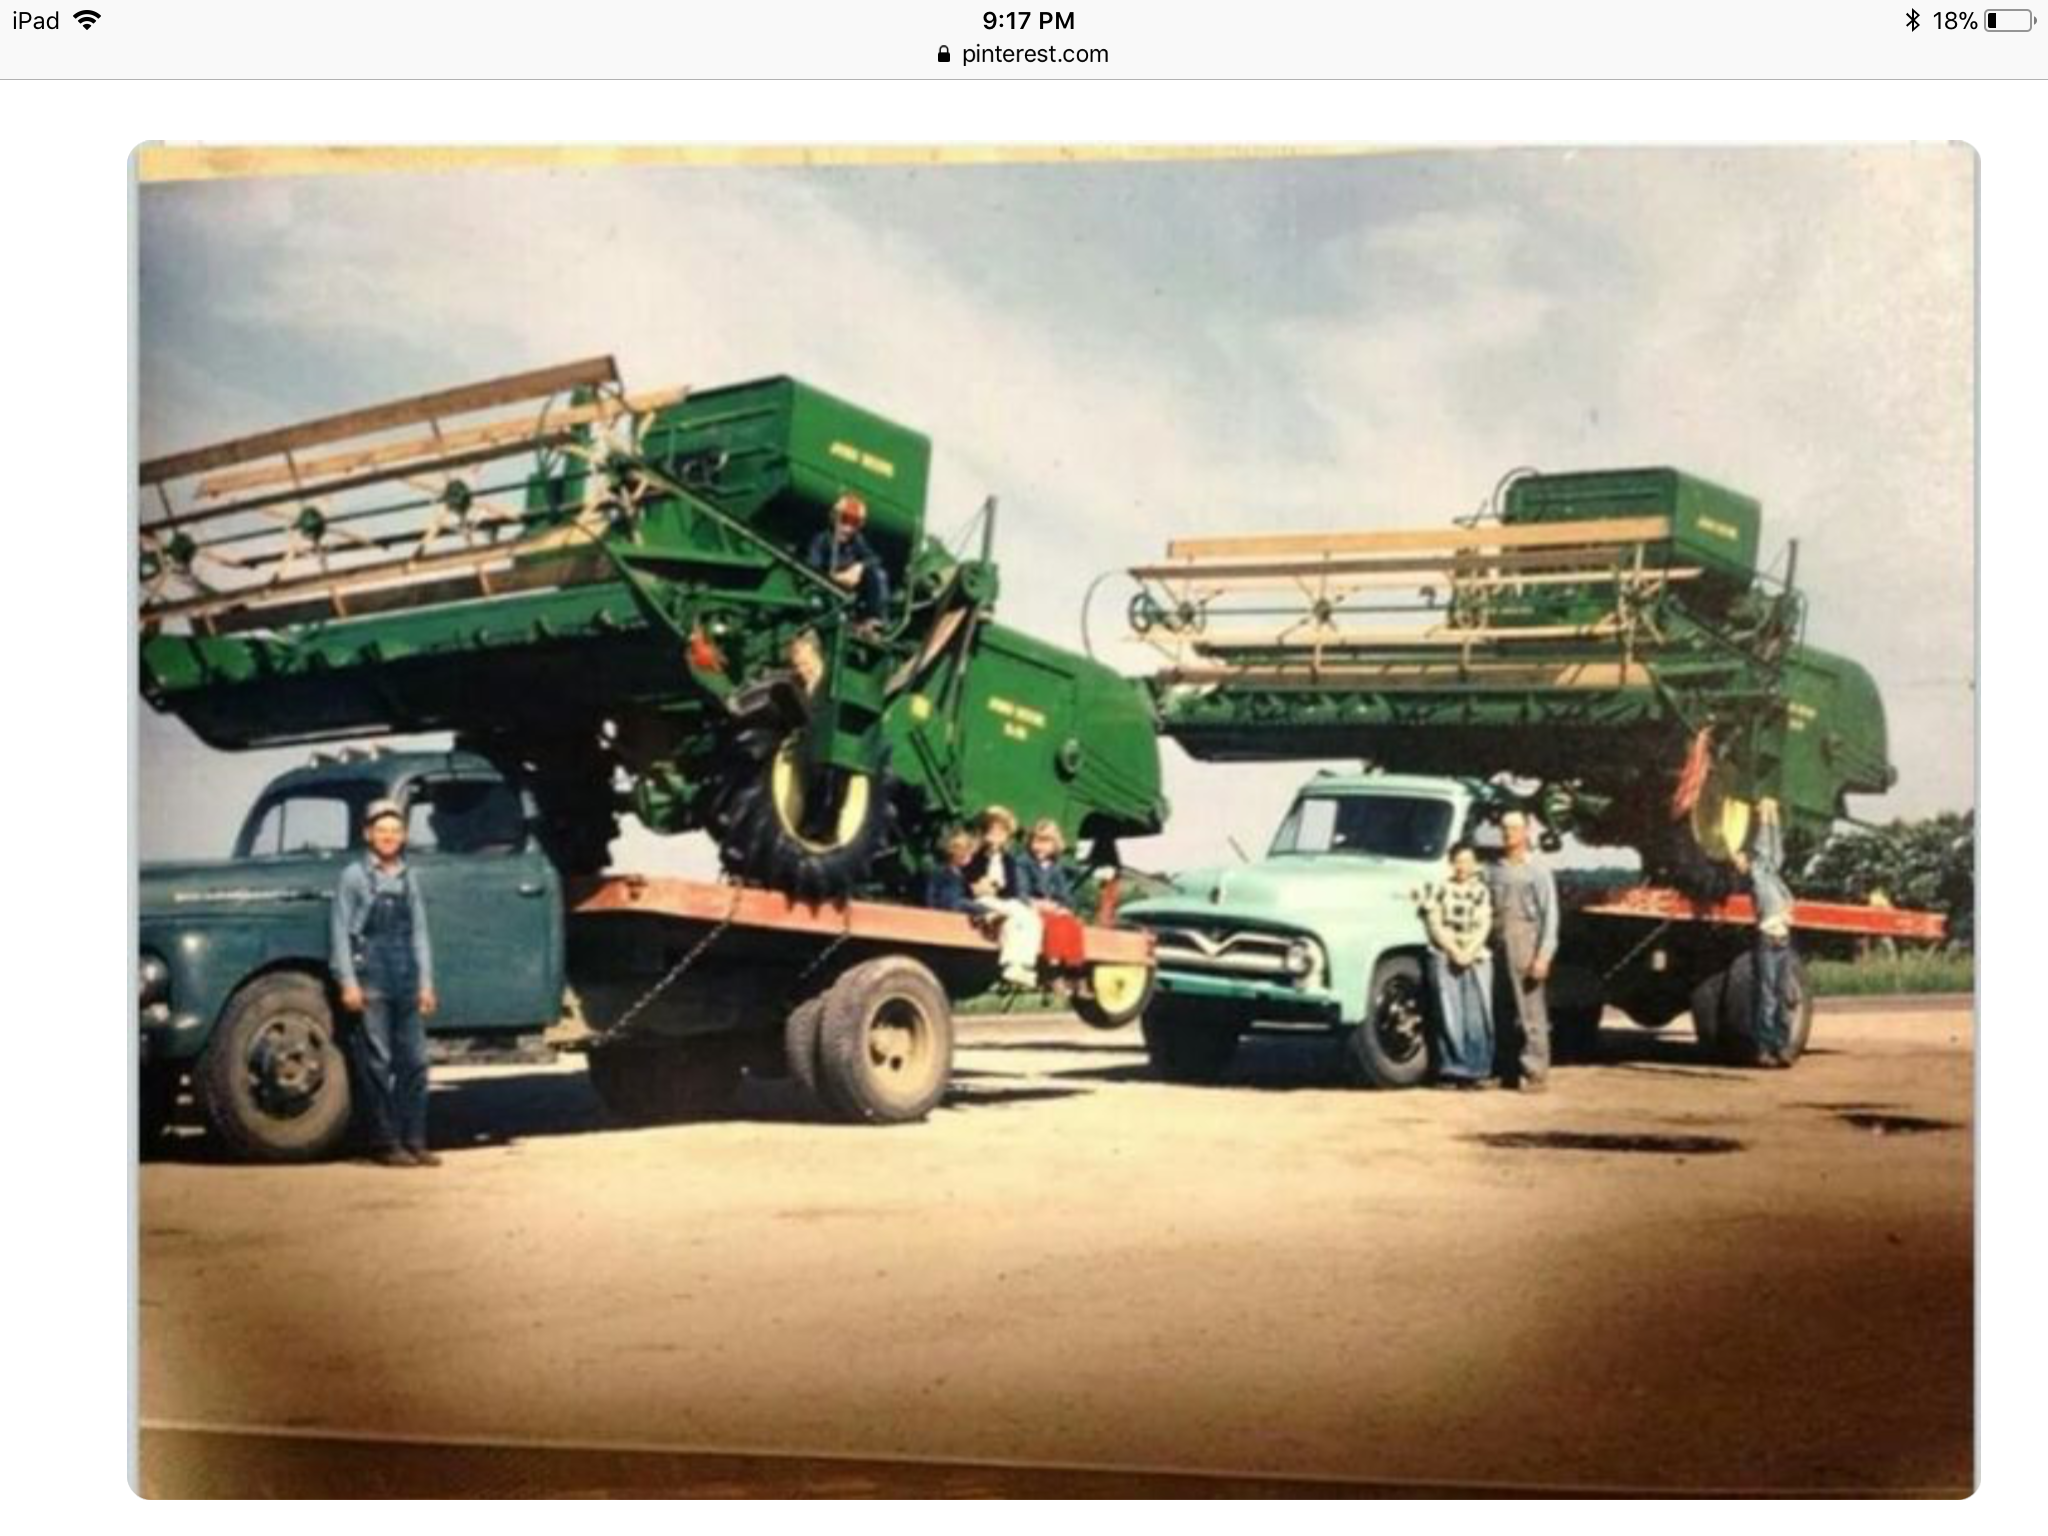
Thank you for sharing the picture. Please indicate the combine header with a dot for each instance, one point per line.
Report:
(612, 596)
(1607, 634)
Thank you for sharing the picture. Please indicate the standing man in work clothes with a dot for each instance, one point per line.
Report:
(385, 968)
(1525, 932)
(1763, 865)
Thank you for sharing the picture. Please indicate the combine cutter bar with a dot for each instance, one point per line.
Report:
(1450, 675)
(274, 536)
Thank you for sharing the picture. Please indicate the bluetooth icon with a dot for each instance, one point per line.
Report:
(1912, 21)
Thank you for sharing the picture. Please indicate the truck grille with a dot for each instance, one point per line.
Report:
(1246, 952)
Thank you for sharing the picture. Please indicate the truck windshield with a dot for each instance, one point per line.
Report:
(1383, 826)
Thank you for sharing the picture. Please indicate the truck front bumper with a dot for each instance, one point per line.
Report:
(166, 1036)
(1263, 999)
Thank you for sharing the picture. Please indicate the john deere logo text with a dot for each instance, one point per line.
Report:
(1019, 720)
(873, 463)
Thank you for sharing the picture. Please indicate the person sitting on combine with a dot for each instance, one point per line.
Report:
(1044, 877)
(1762, 864)
(843, 555)
(1459, 915)
(997, 881)
(945, 887)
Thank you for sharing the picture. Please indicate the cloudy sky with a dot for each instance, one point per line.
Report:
(1126, 353)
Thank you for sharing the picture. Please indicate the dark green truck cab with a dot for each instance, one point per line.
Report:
(236, 991)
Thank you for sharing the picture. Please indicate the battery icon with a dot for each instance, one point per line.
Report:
(2009, 21)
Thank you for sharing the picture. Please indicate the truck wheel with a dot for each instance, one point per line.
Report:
(273, 1083)
(662, 1082)
(1736, 1031)
(157, 1102)
(813, 835)
(885, 1043)
(1575, 1034)
(1390, 1049)
(1706, 1013)
(1115, 995)
(1190, 1042)
(800, 1043)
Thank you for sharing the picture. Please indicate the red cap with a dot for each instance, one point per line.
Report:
(852, 508)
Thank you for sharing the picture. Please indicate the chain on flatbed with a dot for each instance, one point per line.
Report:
(676, 971)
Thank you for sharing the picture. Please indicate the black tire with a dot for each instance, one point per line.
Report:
(1390, 1048)
(1189, 1041)
(1112, 996)
(1736, 1033)
(800, 1044)
(813, 837)
(157, 1105)
(666, 1081)
(1575, 1034)
(1706, 1013)
(885, 1043)
(273, 1084)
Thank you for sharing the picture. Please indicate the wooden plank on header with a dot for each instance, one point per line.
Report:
(586, 373)
(1607, 530)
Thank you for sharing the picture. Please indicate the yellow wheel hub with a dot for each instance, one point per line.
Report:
(786, 790)
(1720, 821)
(1118, 988)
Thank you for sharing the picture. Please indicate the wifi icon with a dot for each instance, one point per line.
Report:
(85, 18)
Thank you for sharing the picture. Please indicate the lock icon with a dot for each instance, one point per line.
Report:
(945, 54)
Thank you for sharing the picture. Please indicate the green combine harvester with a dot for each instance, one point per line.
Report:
(613, 597)
(1608, 636)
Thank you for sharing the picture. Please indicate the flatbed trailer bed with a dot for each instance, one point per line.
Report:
(682, 985)
(1656, 953)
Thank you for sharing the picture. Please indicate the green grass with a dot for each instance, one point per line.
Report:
(1010, 1002)
(1875, 975)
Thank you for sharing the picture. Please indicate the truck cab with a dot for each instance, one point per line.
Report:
(235, 986)
(1324, 932)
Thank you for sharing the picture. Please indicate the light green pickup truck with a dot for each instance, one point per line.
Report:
(1324, 933)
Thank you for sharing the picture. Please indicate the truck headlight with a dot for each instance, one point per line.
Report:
(154, 980)
(1301, 959)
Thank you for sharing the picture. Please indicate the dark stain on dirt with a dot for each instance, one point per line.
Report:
(1894, 1125)
(1605, 1141)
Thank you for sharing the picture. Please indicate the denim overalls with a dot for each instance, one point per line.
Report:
(394, 1036)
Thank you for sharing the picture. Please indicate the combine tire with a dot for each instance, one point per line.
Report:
(1189, 1042)
(1115, 995)
(812, 835)
(1390, 1049)
(885, 1043)
(662, 1082)
(1736, 1036)
(273, 1083)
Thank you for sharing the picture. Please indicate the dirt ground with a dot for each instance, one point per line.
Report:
(1745, 1281)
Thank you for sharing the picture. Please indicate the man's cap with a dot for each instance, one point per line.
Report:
(379, 809)
(852, 508)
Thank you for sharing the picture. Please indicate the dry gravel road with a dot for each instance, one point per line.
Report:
(1764, 1283)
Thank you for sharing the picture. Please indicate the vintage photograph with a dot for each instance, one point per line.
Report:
(1055, 821)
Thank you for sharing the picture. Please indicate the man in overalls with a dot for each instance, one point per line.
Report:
(1763, 865)
(385, 969)
(1525, 930)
